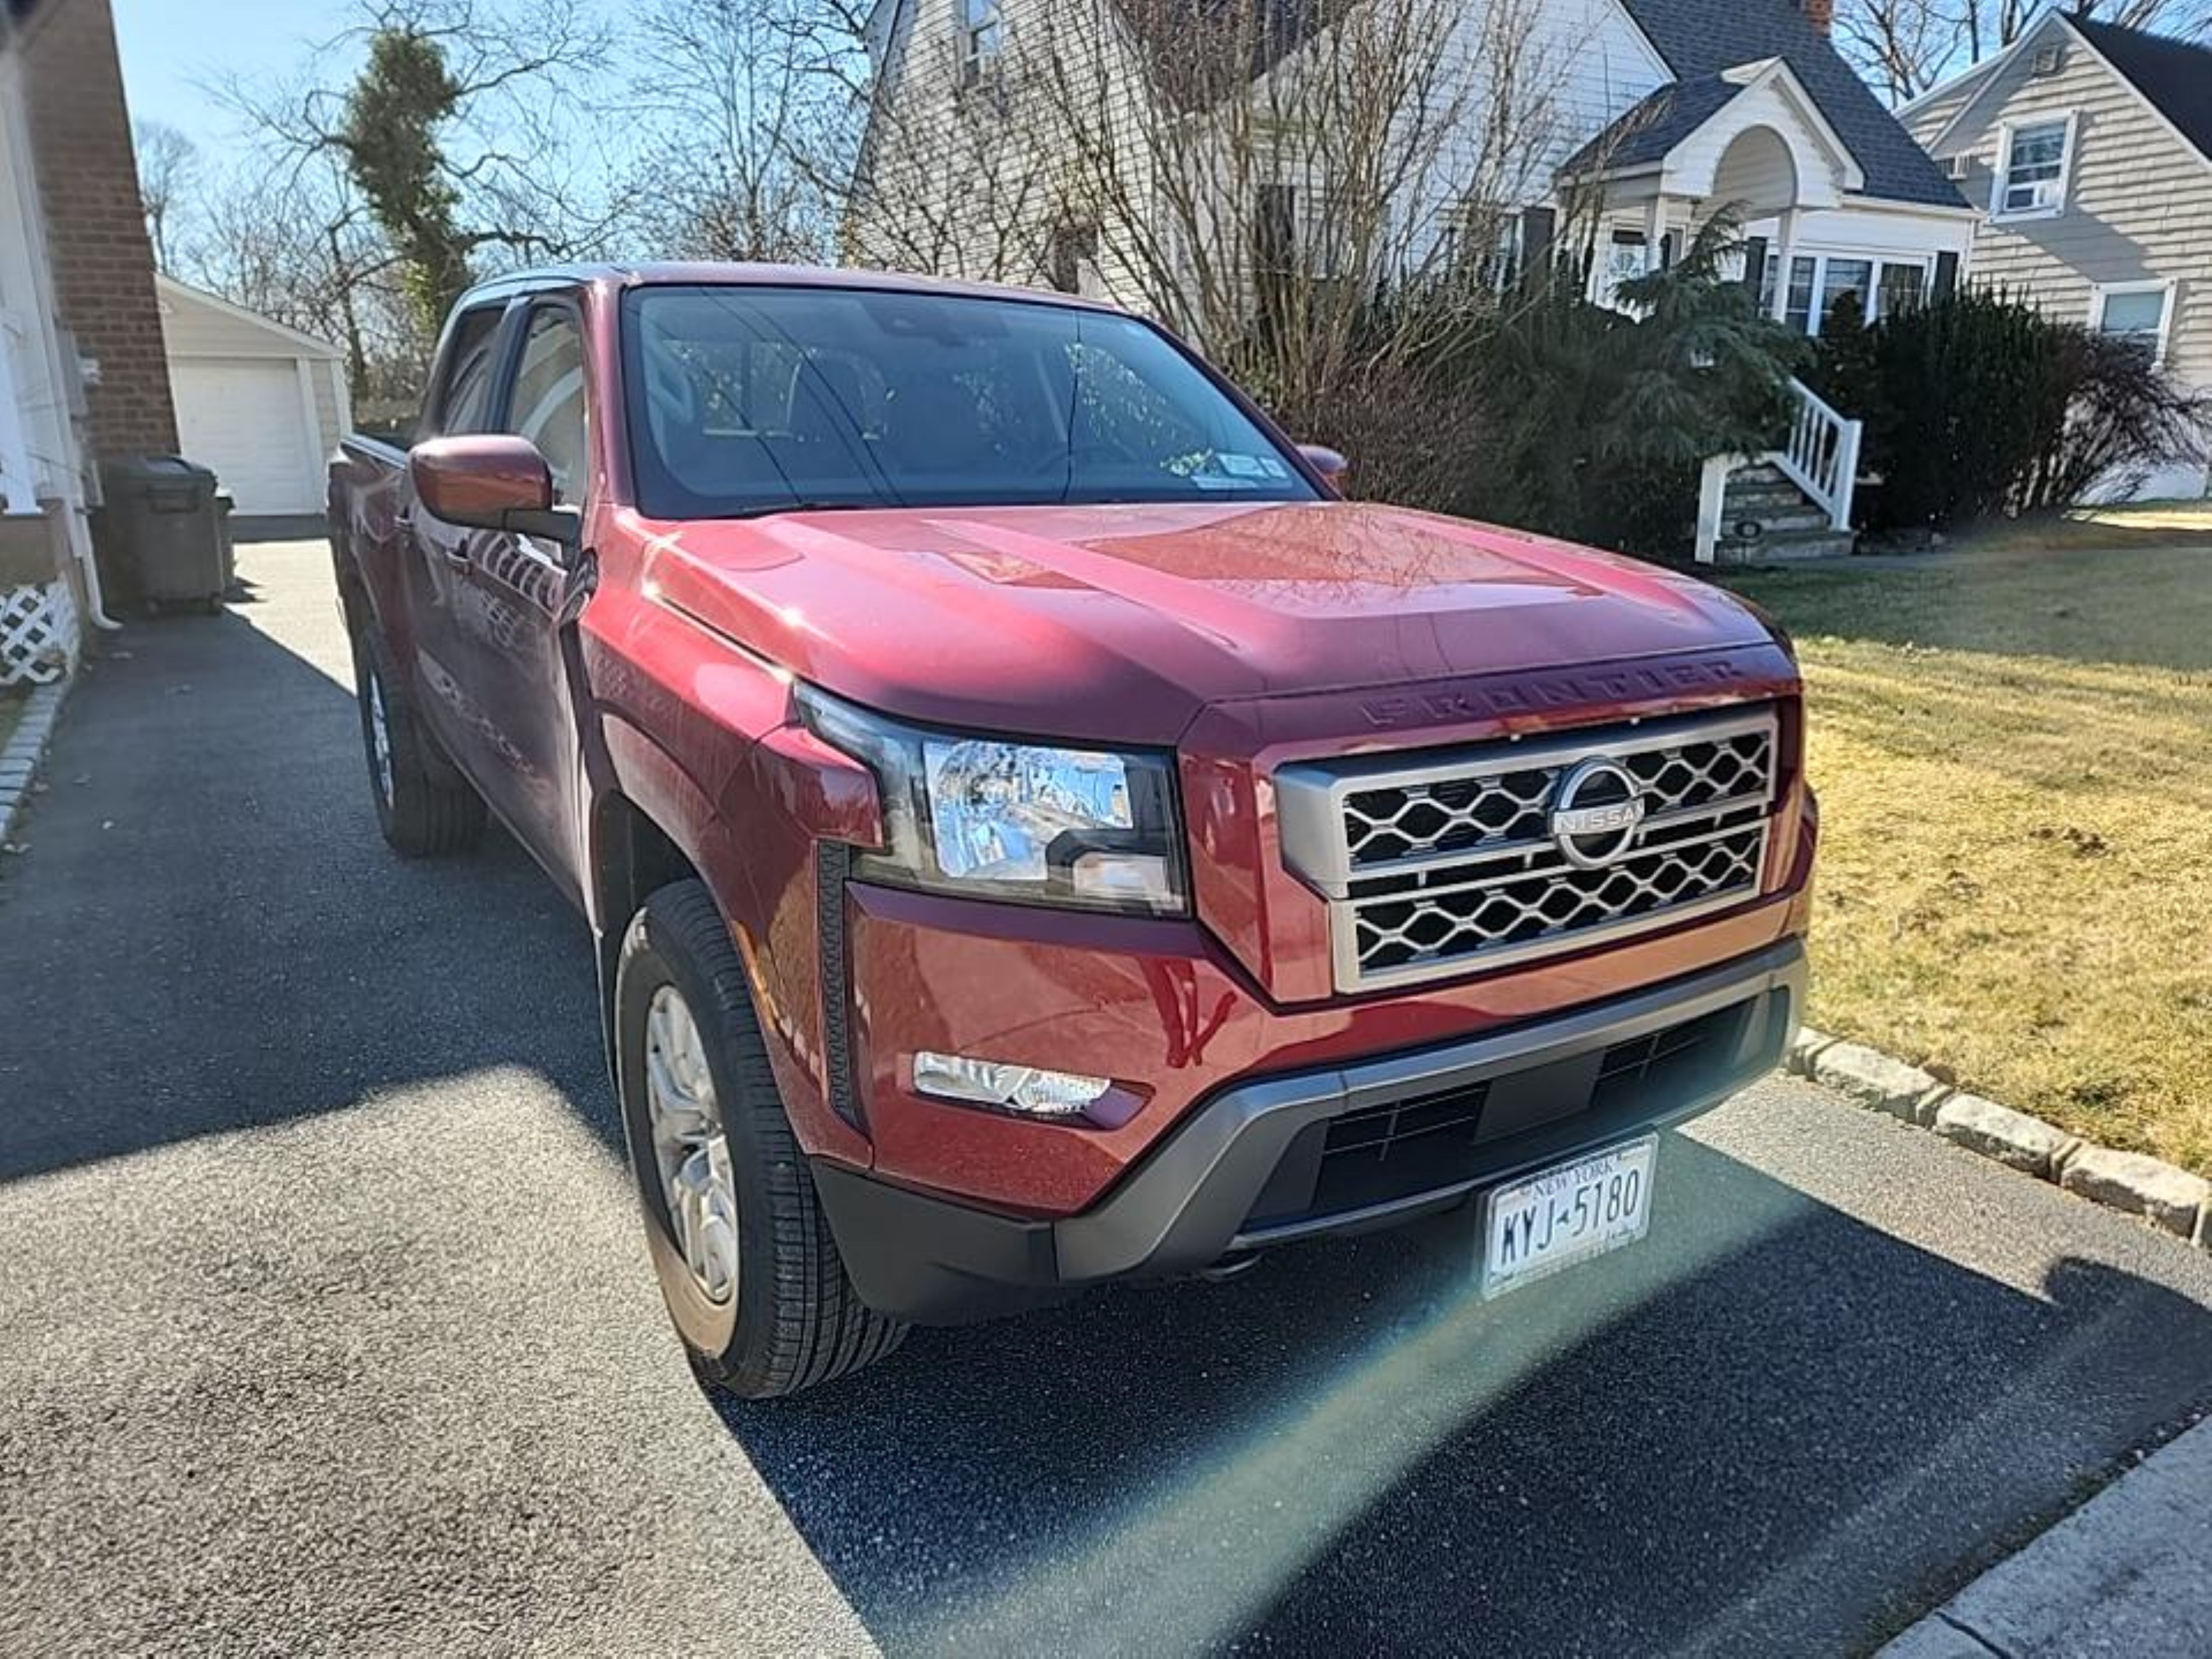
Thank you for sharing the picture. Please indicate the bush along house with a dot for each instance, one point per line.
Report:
(1603, 133)
(2086, 149)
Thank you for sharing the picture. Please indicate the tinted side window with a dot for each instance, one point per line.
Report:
(466, 395)
(547, 406)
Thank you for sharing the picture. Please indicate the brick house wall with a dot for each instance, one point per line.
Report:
(102, 258)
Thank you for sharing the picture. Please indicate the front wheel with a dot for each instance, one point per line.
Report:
(744, 1256)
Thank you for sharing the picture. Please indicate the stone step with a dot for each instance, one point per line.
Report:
(1763, 495)
(1789, 546)
(1761, 474)
(1777, 521)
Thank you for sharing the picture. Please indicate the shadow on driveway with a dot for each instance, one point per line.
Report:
(208, 934)
(1762, 1432)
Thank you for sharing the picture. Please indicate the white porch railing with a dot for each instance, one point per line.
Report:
(1821, 457)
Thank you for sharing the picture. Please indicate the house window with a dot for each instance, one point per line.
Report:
(1902, 289)
(1071, 256)
(1884, 287)
(1500, 269)
(1804, 282)
(982, 39)
(1852, 276)
(1275, 230)
(2031, 179)
(1302, 233)
(1483, 247)
(2139, 311)
(1626, 255)
(1275, 254)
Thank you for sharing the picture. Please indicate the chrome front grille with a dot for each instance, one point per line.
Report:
(1455, 861)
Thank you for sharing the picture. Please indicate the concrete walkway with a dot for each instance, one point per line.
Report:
(325, 1325)
(2129, 1575)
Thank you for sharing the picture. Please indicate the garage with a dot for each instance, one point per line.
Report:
(262, 404)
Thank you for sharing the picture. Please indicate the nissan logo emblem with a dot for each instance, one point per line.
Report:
(1597, 813)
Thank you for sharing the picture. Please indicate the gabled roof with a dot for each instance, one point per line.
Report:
(2175, 77)
(169, 291)
(1700, 38)
(1655, 123)
(1662, 133)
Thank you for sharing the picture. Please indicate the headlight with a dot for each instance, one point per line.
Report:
(1090, 828)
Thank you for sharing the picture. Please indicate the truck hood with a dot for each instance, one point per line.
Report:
(1121, 623)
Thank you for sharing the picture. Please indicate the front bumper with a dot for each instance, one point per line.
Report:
(1309, 1152)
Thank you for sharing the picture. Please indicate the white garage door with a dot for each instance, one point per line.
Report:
(243, 417)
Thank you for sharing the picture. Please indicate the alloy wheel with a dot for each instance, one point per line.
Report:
(689, 1146)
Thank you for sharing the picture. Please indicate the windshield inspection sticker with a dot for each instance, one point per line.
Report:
(1219, 470)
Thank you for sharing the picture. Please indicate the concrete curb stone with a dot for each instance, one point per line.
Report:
(26, 748)
(1874, 1080)
(2167, 1197)
(2171, 1198)
(1936, 1637)
(2013, 1139)
(1807, 1049)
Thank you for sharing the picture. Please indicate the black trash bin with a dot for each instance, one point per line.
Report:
(160, 537)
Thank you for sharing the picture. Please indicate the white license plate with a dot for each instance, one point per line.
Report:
(1566, 1214)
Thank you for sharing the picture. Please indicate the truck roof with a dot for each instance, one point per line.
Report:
(700, 273)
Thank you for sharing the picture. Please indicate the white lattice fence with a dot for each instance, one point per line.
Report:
(38, 635)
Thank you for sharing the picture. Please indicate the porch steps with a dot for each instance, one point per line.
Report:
(1788, 525)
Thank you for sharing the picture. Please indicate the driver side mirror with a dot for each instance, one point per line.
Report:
(1329, 463)
(491, 481)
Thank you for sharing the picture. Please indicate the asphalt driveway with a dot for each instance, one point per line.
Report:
(325, 1327)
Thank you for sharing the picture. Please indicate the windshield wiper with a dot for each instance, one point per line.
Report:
(771, 509)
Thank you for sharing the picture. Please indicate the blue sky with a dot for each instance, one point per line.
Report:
(169, 48)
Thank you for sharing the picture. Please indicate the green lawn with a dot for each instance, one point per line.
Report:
(2014, 752)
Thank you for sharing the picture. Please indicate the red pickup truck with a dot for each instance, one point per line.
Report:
(1035, 831)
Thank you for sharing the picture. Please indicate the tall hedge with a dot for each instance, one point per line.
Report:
(1977, 406)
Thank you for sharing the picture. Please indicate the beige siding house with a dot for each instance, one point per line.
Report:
(2086, 150)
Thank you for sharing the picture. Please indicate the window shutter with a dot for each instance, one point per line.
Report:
(1947, 274)
(1755, 266)
(1538, 226)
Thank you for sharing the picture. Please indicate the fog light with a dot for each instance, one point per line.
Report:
(1024, 1089)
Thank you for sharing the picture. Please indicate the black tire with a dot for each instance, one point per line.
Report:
(424, 806)
(795, 1320)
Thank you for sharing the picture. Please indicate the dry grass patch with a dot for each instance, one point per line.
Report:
(2101, 529)
(2015, 762)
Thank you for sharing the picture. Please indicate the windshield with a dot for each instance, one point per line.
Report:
(749, 400)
